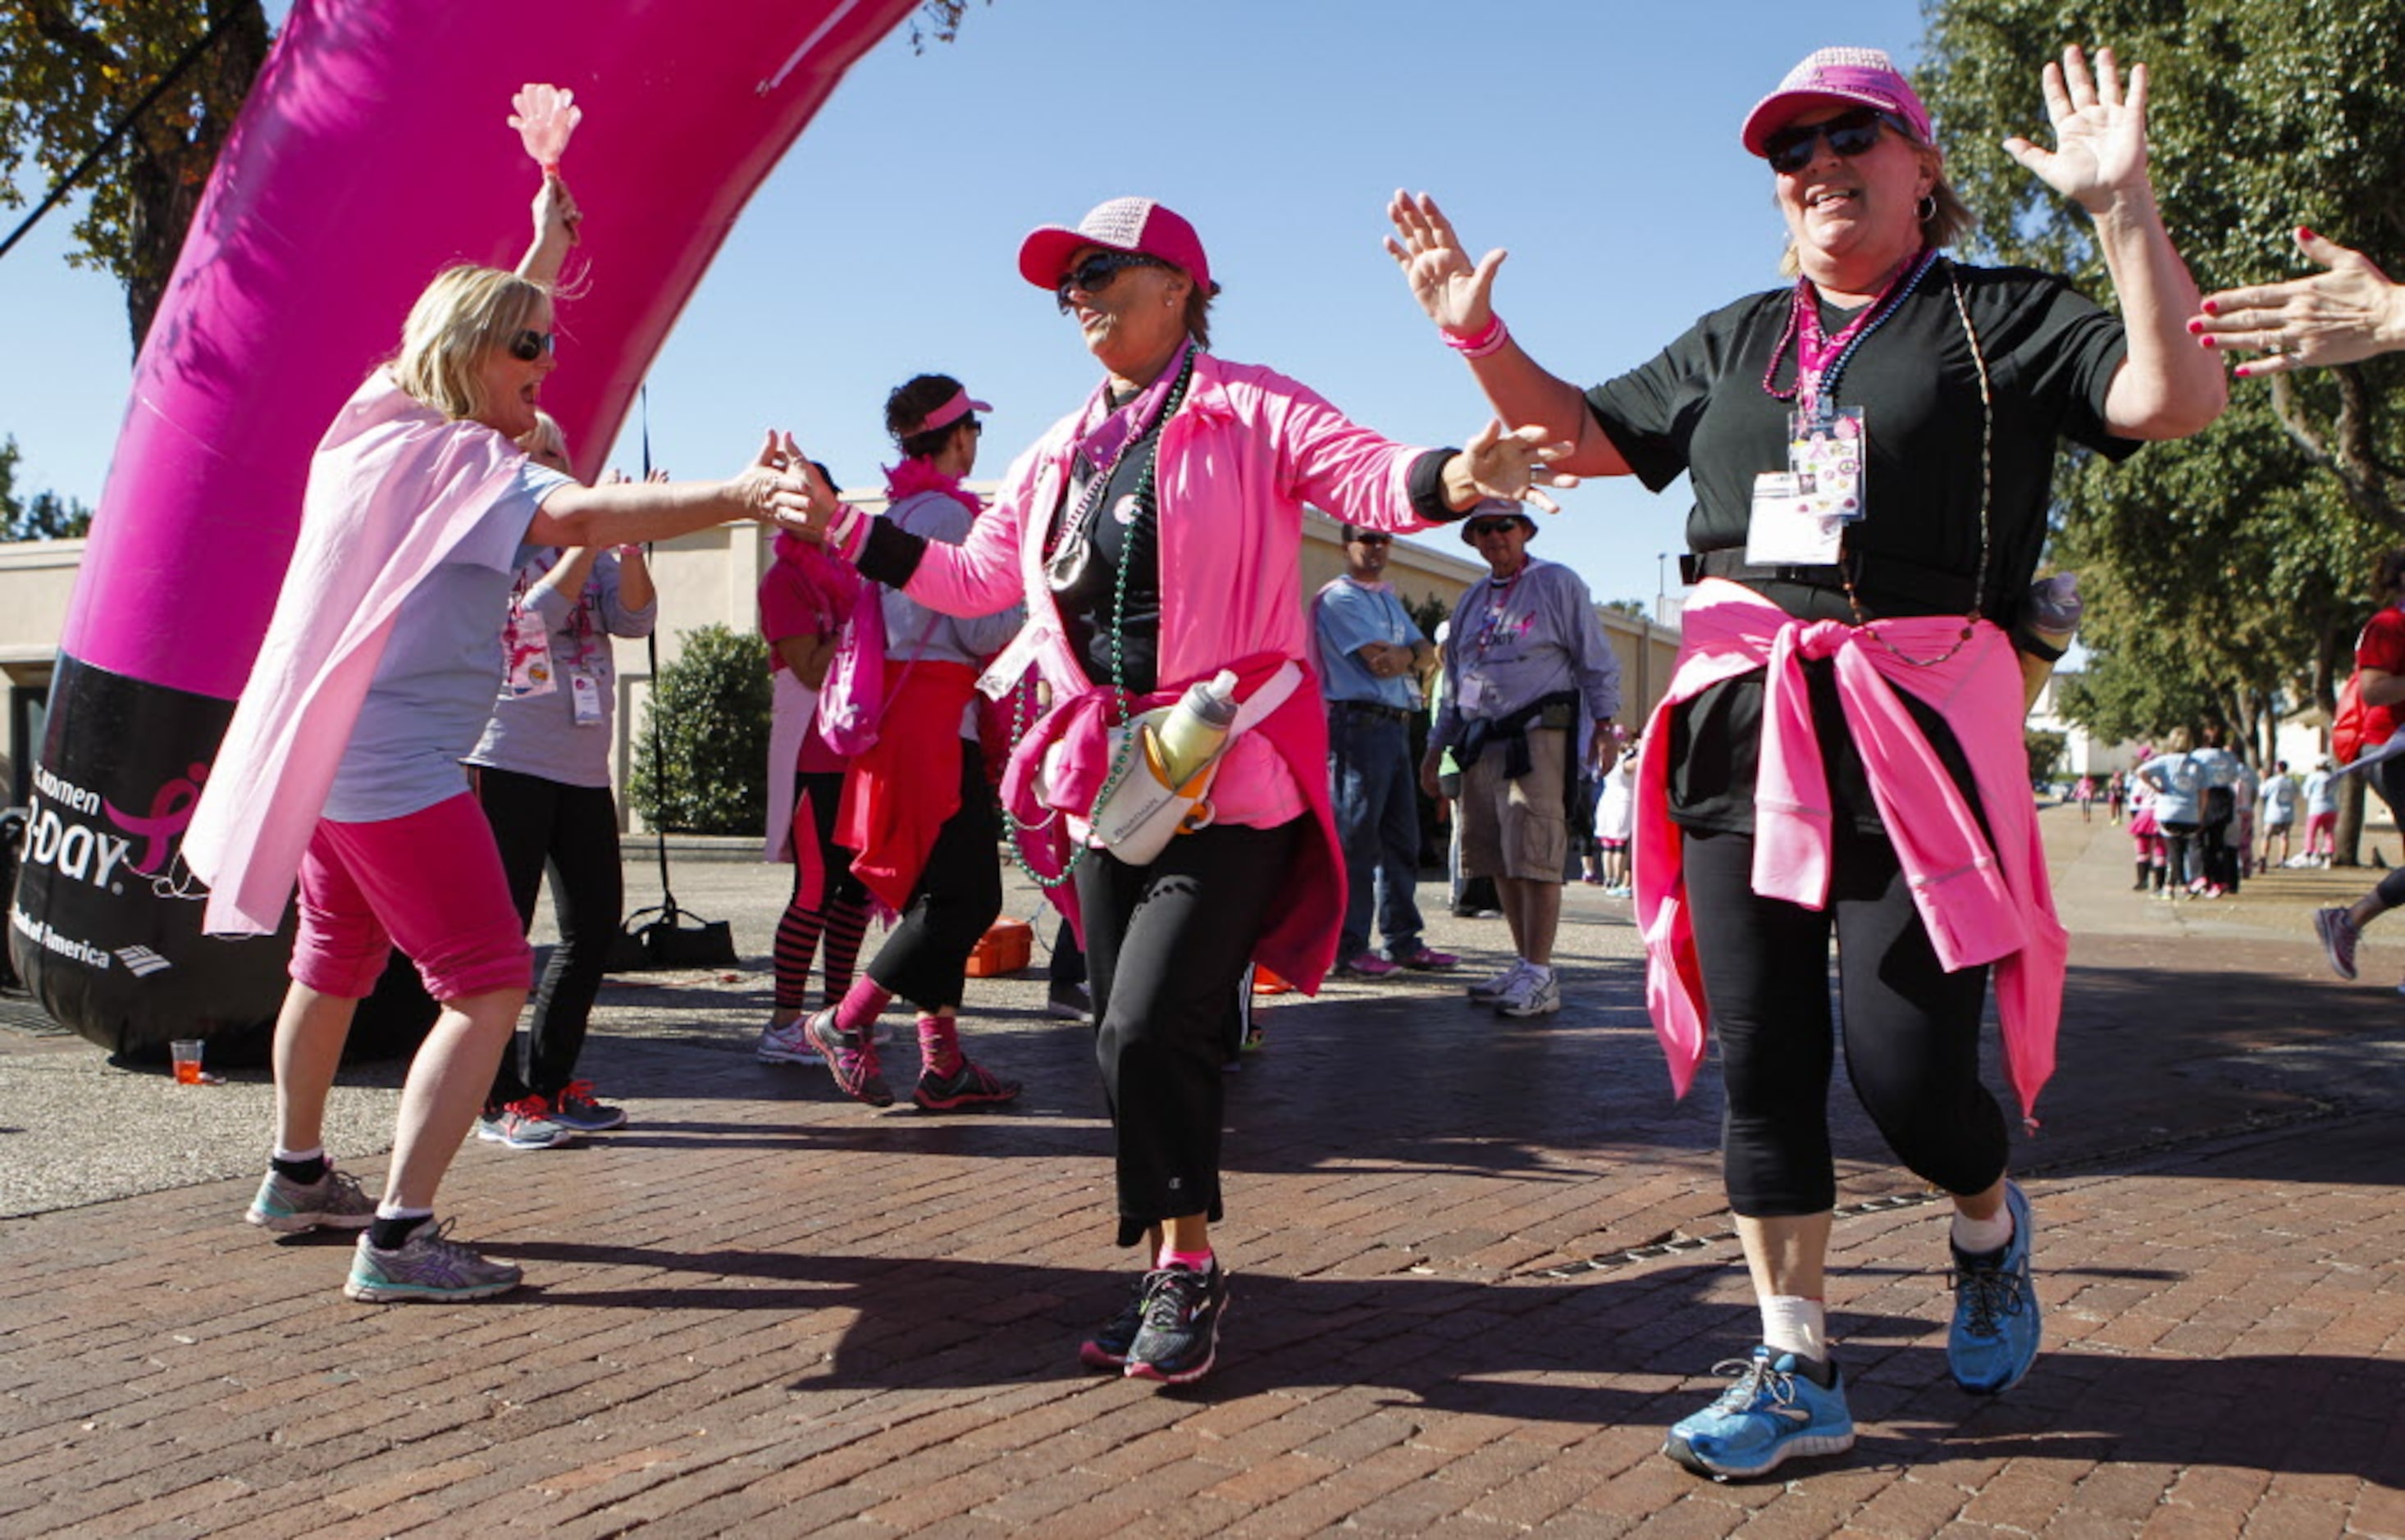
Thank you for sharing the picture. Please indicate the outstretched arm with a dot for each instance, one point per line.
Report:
(2343, 315)
(2167, 388)
(631, 512)
(1458, 296)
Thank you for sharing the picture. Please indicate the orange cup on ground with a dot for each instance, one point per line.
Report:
(186, 1052)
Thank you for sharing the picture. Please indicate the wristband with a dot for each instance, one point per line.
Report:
(1481, 344)
(848, 533)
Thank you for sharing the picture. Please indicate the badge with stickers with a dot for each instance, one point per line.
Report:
(1824, 450)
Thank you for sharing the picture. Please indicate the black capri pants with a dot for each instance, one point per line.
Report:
(959, 892)
(1166, 945)
(1911, 1028)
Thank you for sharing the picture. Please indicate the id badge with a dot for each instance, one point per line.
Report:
(584, 693)
(1786, 529)
(528, 641)
(1825, 447)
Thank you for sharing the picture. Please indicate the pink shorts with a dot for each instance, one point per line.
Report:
(430, 884)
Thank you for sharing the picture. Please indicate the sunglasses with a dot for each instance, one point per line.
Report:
(1851, 134)
(1095, 272)
(529, 345)
(1480, 528)
(1373, 540)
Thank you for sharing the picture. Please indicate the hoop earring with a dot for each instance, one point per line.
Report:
(1926, 209)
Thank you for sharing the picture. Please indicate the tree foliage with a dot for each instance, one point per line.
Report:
(43, 516)
(71, 70)
(2225, 573)
(701, 762)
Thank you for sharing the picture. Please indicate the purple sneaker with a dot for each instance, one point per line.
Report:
(1366, 965)
(1424, 959)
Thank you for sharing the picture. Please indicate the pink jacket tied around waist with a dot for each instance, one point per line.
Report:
(1981, 904)
(393, 487)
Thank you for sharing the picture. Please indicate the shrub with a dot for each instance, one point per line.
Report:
(702, 761)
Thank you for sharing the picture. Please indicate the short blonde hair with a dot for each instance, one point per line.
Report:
(465, 311)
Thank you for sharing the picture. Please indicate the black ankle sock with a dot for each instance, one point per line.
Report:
(308, 1172)
(1820, 1371)
(391, 1235)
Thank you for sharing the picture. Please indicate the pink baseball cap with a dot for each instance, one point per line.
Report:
(1123, 224)
(1831, 77)
(949, 413)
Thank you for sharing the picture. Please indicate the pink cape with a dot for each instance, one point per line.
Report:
(1981, 904)
(393, 487)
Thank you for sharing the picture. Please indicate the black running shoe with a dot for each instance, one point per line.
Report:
(1106, 1346)
(1180, 1338)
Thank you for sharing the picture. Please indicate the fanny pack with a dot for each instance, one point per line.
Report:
(1139, 811)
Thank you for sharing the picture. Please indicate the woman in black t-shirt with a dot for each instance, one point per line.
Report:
(1839, 752)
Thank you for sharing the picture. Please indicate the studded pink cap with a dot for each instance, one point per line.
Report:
(1123, 224)
(1827, 77)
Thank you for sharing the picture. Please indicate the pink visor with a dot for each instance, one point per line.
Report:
(949, 413)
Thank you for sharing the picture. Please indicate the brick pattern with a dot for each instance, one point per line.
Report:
(763, 1310)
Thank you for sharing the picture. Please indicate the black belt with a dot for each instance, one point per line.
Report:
(1371, 709)
(1945, 592)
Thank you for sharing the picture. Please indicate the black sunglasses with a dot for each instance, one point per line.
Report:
(1373, 540)
(1491, 526)
(529, 345)
(1850, 133)
(1095, 272)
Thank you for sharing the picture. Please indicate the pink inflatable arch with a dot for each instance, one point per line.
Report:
(374, 149)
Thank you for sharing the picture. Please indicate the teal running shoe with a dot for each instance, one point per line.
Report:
(1994, 1337)
(1773, 1412)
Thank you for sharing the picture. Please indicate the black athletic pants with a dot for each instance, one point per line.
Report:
(1166, 945)
(958, 893)
(571, 834)
(1911, 1028)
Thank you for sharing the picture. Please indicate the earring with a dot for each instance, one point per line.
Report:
(1926, 209)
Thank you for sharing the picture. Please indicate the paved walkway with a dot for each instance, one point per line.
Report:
(1479, 1265)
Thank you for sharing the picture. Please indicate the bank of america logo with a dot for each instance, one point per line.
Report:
(141, 961)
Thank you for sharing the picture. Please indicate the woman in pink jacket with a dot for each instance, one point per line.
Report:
(1155, 534)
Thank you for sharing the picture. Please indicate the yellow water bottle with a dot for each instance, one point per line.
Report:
(1193, 729)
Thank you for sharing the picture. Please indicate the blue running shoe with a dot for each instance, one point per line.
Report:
(1995, 1333)
(1773, 1412)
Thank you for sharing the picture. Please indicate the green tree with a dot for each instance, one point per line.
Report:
(43, 516)
(2222, 571)
(701, 762)
(72, 70)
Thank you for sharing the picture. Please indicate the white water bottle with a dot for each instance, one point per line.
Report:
(1193, 729)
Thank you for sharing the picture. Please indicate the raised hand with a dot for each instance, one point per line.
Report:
(1457, 294)
(2347, 314)
(2100, 137)
(1514, 463)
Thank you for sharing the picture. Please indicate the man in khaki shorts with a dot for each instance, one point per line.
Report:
(1531, 686)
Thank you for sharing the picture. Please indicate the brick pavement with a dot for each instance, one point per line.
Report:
(1478, 1268)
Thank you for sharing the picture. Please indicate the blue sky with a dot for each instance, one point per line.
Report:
(1595, 140)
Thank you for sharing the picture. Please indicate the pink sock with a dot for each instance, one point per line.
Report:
(1193, 1261)
(863, 1003)
(939, 1044)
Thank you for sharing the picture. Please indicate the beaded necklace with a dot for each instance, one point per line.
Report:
(1147, 500)
(1816, 371)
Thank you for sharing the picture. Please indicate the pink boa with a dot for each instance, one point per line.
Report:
(914, 476)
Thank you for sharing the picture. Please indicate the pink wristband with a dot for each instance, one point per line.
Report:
(848, 533)
(1492, 337)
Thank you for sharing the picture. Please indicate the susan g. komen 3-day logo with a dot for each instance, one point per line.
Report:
(82, 835)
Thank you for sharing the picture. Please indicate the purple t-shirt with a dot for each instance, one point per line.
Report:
(433, 687)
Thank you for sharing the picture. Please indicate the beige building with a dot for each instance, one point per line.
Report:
(711, 578)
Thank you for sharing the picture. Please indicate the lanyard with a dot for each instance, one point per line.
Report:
(1820, 359)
